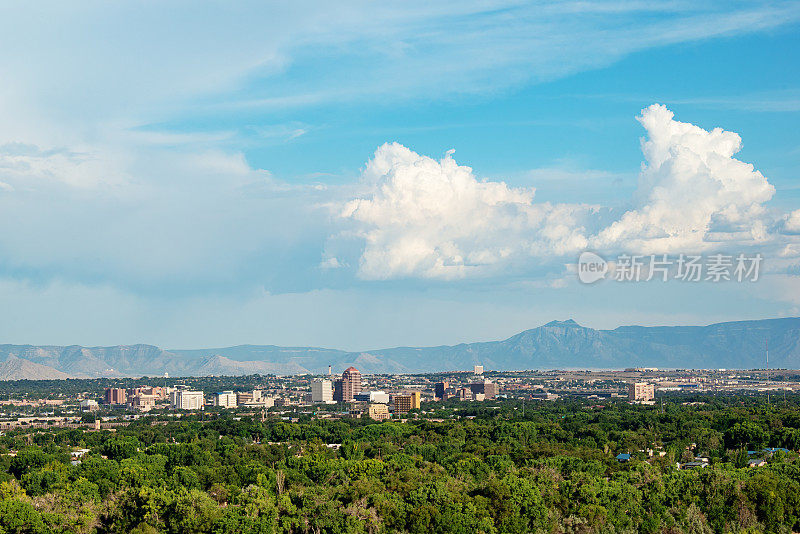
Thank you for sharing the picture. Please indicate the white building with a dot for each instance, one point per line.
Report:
(184, 399)
(379, 397)
(89, 405)
(225, 399)
(478, 370)
(322, 391)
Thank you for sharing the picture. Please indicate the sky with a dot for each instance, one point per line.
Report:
(371, 174)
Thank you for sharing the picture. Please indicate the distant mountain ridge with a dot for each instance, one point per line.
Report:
(558, 344)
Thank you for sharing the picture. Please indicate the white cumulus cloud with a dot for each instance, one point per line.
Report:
(792, 222)
(692, 191)
(435, 219)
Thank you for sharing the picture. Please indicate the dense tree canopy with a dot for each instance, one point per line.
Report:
(487, 470)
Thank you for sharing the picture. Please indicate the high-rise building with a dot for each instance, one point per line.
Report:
(225, 399)
(348, 387)
(184, 399)
(321, 391)
(478, 369)
(641, 391)
(440, 390)
(485, 387)
(406, 403)
(115, 396)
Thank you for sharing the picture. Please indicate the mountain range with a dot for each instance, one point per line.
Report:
(558, 344)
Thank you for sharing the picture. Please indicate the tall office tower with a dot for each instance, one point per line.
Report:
(484, 387)
(115, 396)
(440, 390)
(351, 383)
(478, 369)
(321, 391)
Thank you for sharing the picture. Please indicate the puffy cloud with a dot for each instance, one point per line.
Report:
(434, 219)
(792, 222)
(692, 191)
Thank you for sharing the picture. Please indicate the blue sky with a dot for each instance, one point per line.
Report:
(208, 174)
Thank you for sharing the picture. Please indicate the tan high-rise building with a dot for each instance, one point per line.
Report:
(641, 391)
(349, 386)
(116, 396)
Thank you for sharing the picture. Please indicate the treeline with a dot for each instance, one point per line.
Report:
(492, 470)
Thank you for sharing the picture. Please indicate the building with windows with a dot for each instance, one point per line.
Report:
(487, 388)
(378, 412)
(115, 396)
(478, 370)
(142, 402)
(185, 399)
(406, 403)
(225, 399)
(348, 386)
(89, 405)
(464, 394)
(373, 396)
(322, 391)
(641, 392)
(440, 390)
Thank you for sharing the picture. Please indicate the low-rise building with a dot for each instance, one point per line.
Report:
(378, 412)
(373, 396)
(142, 402)
(89, 405)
